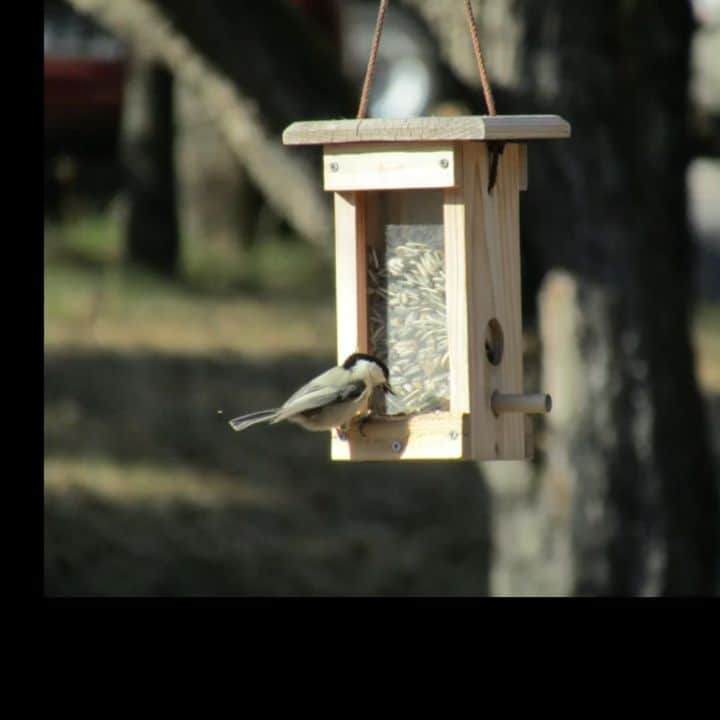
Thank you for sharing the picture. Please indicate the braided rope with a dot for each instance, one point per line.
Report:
(370, 71)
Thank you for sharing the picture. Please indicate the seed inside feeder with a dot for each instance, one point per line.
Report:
(407, 325)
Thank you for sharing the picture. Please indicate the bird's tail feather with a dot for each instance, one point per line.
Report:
(245, 421)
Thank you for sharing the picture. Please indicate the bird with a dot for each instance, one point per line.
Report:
(330, 400)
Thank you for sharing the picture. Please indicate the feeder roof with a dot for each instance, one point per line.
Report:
(420, 129)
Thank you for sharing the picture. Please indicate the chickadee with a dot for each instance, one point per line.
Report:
(330, 400)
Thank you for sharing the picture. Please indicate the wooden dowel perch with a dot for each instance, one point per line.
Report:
(531, 403)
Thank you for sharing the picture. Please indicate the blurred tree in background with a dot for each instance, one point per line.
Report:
(628, 496)
(217, 199)
(624, 501)
(148, 155)
(635, 447)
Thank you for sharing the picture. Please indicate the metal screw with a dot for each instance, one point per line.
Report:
(334, 166)
(396, 446)
(444, 163)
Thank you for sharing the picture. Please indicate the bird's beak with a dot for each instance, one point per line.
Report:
(386, 387)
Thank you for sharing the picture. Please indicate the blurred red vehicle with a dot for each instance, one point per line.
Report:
(84, 74)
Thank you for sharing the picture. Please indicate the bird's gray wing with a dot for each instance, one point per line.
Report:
(314, 395)
(330, 378)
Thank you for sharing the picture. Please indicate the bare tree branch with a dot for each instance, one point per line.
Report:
(290, 179)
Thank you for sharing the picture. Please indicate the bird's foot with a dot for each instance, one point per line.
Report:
(361, 421)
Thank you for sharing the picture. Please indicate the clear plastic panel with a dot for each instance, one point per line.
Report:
(407, 321)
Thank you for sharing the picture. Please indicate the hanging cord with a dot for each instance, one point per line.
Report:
(495, 148)
(370, 72)
(484, 79)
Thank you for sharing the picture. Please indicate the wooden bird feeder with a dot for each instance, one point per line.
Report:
(427, 240)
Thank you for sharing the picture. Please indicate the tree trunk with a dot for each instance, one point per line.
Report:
(147, 153)
(218, 201)
(624, 502)
(644, 508)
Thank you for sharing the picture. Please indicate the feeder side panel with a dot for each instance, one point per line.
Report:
(350, 263)
(456, 290)
(493, 246)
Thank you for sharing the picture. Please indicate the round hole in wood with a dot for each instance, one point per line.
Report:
(494, 342)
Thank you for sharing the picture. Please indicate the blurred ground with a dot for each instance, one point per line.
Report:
(148, 492)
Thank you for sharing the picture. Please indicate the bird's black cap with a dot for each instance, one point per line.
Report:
(352, 359)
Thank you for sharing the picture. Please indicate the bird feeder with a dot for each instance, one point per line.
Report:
(427, 240)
